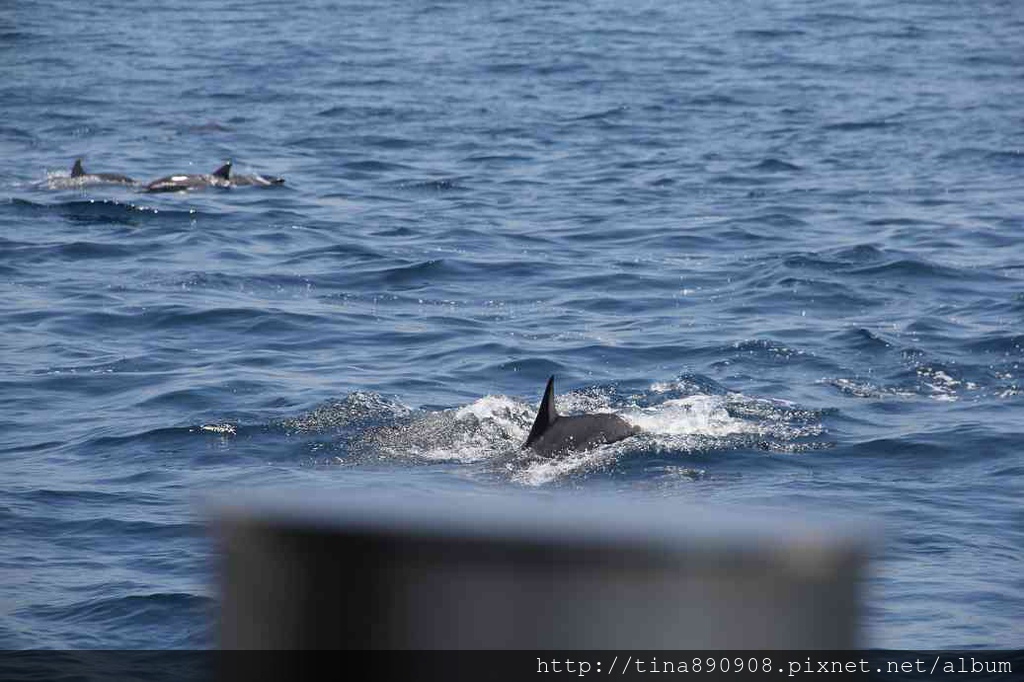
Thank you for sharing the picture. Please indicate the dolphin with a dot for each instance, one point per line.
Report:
(553, 433)
(79, 176)
(184, 183)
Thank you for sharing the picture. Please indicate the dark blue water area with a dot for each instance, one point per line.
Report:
(785, 239)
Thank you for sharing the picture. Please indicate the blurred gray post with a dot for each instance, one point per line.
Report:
(529, 572)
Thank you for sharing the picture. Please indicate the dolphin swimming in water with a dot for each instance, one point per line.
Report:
(553, 433)
(222, 177)
(183, 183)
(80, 177)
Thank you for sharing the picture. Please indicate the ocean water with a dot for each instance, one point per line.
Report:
(786, 239)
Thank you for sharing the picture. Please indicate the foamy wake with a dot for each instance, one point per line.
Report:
(697, 414)
(934, 383)
(487, 428)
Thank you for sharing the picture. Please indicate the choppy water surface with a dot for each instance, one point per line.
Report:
(786, 242)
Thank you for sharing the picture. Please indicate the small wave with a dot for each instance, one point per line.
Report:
(86, 531)
(842, 258)
(60, 497)
(364, 112)
(769, 34)
(865, 389)
(126, 365)
(765, 348)
(1010, 345)
(412, 275)
(784, 220)
(317, 143)
(1012, 158)
(930, 381)
(733, 179)
(495, 159)
(125, 621)
(158, 434)
(137, 479)
(90, 250)
(839, 19)
(129, 607)
(775, 166)
(509, 67)
(375, 166)
(861, 253)
(78, 251)
(684, 386)
(386, 142)
(103, 210)
(614, 112)
(33, 447)
(854, 126)
(715, 100)
(941, 384)
(347, 253)
(208, 127)
(17, 134)
(863, 340)
(438, 185)
(334, 111)
(342, 84)
(915, 268)
(901, 221)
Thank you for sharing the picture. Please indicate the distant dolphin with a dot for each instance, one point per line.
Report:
(222, 177)
(552, 433)
(183, 183)
(80, 177)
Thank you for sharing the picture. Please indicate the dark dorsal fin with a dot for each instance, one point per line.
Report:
(77, 171)
(224, 171)
(546, 415)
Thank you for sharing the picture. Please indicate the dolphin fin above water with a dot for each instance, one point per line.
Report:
(224, 172)
(553, 433)
(222, 177)
(80, 176)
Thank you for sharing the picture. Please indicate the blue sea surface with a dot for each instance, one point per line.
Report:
(786, 239)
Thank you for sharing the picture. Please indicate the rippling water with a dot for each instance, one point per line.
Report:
(785, 241)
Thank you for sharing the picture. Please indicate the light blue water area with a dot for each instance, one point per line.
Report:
(786, 239)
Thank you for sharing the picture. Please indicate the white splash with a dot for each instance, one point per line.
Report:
(497, 409)
(696, 415)
(545, 471)
(225, 429)
(481, 430)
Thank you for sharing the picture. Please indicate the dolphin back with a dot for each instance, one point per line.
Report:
(582, 432)
(553, 434)
(79, 174)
